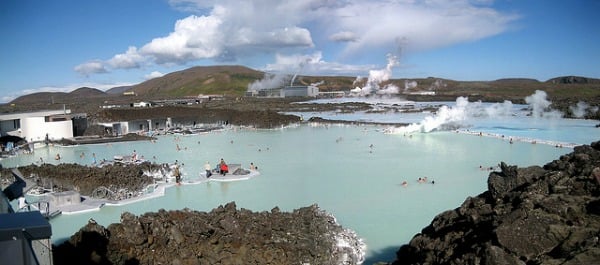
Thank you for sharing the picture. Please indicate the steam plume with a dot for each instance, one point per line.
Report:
(455, 117)
(268, 82)
(376, 77)
(540, 105)
(580, 109)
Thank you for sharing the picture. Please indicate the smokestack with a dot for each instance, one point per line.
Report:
(293, 78)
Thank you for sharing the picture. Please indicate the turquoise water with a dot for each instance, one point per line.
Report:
(335, 167)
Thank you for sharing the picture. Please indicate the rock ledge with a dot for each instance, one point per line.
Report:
(224, 235)
(533, 215)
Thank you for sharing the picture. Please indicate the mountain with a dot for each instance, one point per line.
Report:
(118, 90)
(87, 92)
(231, 80)
(573, 80)
(59, 97)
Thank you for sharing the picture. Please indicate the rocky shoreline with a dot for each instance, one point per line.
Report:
(533, 215)
(123, 181)
(225, 235)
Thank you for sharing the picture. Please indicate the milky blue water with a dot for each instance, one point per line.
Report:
(353, 172)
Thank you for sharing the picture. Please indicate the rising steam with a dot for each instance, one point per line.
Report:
(539, 106)
(268, 82)
(581, 109)
(376, 77)
(448, 118)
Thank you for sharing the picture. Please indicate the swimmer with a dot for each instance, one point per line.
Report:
(404, 183)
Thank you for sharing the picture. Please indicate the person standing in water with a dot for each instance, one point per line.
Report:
(177, 173)
(224, 169)
(207, 168)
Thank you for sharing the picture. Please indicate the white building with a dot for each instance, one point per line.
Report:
(37, 126)
(137, 126)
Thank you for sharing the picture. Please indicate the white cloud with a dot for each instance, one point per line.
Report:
(154, 74)
(344, 36)
(229, 30)
(193, 38)
(130, 59)
(422, 25)
(91, 67)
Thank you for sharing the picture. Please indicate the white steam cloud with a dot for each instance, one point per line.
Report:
(268, 82)
(376, 77)
(581, 109)
(448, 118)
(539, 105)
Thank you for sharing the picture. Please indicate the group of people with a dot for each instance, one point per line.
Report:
(222, 168)
(419, 180)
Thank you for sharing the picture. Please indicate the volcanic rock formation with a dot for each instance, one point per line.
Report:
(225, 235)
(533, 215)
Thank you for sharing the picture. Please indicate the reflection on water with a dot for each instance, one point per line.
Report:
(353, 172)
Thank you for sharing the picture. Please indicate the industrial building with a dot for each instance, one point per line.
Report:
(285, 92)
(43, 125)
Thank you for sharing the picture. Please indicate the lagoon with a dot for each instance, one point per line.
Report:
(354, 172)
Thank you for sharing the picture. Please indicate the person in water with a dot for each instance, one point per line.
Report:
(207, 168)
(177, 173)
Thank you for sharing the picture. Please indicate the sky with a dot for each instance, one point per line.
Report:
(62, 45)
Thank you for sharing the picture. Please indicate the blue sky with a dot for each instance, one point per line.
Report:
(66, 44)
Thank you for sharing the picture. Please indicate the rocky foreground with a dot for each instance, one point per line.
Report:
(533, 215)
(225, 235)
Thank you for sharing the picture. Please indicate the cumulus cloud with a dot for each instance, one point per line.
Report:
(344, 36)
(154, 74)
(193, 38)
(91, 67)
(130, 59)
(231, 30)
